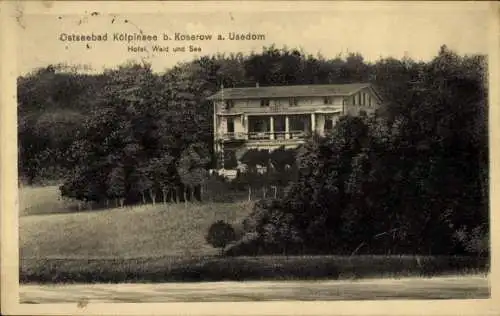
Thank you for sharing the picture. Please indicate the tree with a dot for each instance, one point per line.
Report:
(116, 185)
(52, 103)
(419, 171)
(192, 168)
(163, 174)
(405, 182)
(281, 168)
(249, 179)
(138, 124)
(220, 234)
(275, 226)
(230, 161)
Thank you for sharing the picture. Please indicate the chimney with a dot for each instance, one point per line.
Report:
(256, 85)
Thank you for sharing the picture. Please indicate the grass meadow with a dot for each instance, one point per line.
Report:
(49, 230)
(166, 243)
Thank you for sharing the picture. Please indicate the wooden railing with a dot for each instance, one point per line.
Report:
(293, 135)
(233, 136)
(277, 135)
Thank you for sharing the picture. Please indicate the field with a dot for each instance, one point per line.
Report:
(49, 230)
(42, 201)
(165, 243)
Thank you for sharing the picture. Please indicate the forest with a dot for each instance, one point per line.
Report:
(412, 180)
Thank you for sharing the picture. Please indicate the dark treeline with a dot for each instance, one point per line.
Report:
(413, 180)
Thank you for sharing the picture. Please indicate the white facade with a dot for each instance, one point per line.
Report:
(269, 122)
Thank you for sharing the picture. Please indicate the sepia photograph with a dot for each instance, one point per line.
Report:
(254, 151)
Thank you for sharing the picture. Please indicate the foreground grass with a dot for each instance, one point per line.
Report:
(165, 243)
(203, 269)
(147, 230)
(130, 232)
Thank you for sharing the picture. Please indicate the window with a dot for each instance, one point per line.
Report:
(264, 102)
(230, 125)
(299, 122)
(328, 125)
(293, 102)
(353, 100)
(327, 100)
(257, 124)
(364, 99)
(369, 101)
(229, 104)
(279, 123)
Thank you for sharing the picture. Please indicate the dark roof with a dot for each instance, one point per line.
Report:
(290, 91)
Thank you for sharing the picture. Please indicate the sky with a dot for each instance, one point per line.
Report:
(374, 29)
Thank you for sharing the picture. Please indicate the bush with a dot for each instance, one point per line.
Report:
(230, 161)
(270, 230)
(476, 241)
(220, 234)
(249, 244)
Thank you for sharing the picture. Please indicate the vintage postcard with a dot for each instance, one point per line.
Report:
(248, 157)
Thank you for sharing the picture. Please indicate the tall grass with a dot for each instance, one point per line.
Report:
(198, 269)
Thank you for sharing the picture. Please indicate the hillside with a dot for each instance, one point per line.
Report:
(43, 200)
(165, 243)
(121, 233)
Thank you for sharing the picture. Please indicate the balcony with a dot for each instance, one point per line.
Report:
(263, 136)
(293, 135)
(233, 137)
(280, 109)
